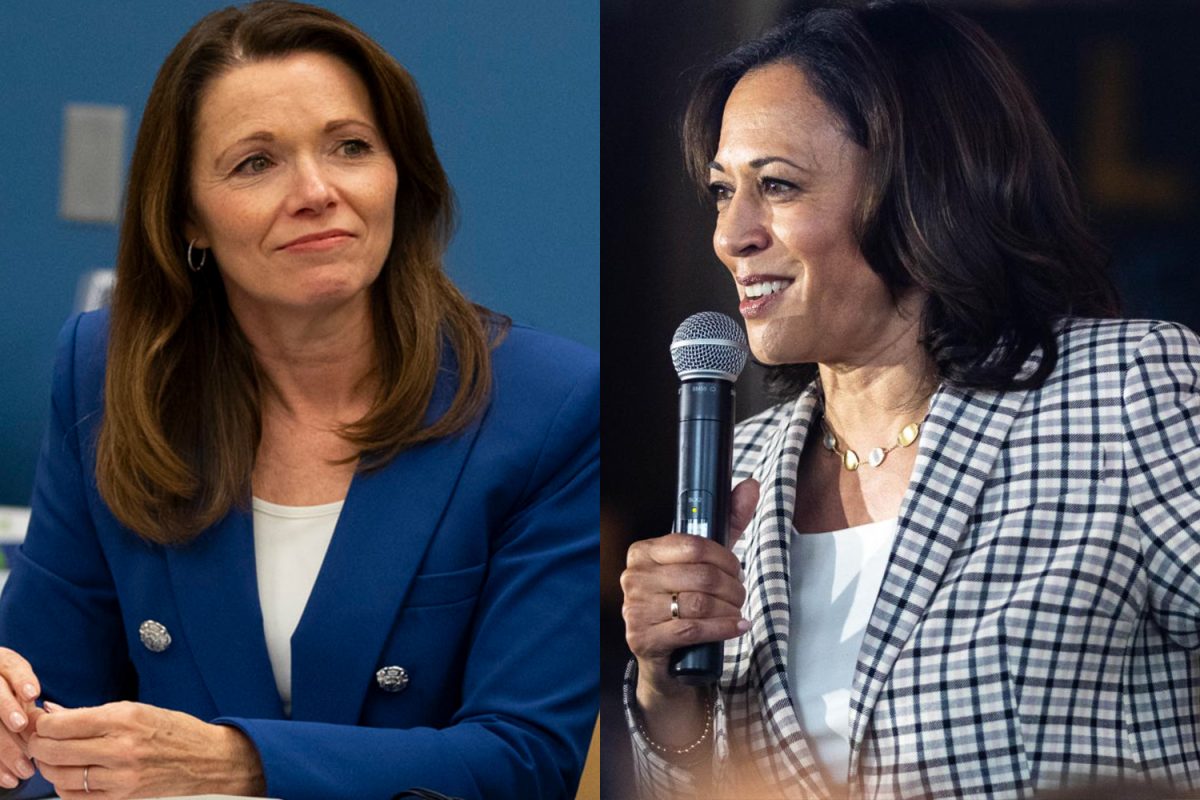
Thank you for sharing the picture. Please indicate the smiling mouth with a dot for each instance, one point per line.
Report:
(318, 241)
(764, 288)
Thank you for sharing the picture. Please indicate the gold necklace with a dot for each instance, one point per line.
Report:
(850, 460)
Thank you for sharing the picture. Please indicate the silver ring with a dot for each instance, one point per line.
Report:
(674, 605)
(86, 790)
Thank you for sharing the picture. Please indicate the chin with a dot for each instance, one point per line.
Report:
(335, 287)
(775, 353)
(780, 362)
(763, 357)
(333, 297)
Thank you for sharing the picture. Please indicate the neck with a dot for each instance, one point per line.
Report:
(869, 400)
(315, 365)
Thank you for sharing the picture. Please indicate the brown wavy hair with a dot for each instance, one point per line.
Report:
(966, 195)
(182, 393)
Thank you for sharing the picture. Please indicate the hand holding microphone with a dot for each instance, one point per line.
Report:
(685, 589)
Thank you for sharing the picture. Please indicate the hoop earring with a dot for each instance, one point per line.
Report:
(203, 256)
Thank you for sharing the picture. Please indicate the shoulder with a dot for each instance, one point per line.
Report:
(1118, 343)
(84, 338)
(534, 370)
(541, 429)
(543, 385)
(526, 354)
(81, 353)
(1103, 356)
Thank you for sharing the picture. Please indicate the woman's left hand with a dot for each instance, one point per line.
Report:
(138, 750)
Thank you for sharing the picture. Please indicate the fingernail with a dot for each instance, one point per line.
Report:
(24, 769)
(49, 706)
(30, 690)
(16, 720)
(8, 781)
(743, 625)
(742, 575)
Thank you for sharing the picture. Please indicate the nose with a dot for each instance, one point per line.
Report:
(312, 191)
(742, 228)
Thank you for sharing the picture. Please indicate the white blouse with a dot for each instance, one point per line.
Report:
(289, 545)
(835, 578)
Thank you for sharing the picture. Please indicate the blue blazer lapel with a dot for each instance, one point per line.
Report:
(216, 591)
(961, 441)
(385, 527)
(387, 521)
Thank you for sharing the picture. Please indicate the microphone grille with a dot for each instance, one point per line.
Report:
(709, 345)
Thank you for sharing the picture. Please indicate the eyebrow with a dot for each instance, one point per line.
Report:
(759, 163)
(337, 124)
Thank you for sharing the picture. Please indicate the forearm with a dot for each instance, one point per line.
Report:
(492, 760)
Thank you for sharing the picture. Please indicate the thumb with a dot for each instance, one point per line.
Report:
(745, 501)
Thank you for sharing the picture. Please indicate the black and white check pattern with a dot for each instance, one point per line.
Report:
(1039, 619)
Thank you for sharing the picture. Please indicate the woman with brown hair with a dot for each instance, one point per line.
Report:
(307, 522)
(967, 562)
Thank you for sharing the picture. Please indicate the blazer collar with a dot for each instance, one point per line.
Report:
(386, 525)
(768, 576)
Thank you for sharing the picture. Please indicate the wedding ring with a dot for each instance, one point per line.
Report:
(86, 790)
(674, 605)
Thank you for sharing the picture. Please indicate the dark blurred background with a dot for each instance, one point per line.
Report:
(1119, 83)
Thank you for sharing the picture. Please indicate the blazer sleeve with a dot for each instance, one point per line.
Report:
(59, 581)
(529, 694)
(1162, 464)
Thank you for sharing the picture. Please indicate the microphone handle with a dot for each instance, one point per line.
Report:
(703, 498)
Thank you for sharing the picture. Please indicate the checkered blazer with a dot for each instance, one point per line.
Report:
(1039, 618)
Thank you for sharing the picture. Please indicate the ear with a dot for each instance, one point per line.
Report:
(193, 232)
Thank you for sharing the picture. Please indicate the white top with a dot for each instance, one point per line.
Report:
(289, 546)
(835, 578)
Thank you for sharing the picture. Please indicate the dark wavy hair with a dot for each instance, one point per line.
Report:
(966, 195)
(183, 390)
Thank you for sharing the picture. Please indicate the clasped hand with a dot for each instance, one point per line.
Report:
(127, 749)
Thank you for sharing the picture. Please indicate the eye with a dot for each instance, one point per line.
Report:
(776, 188)
(254, 165)
(355, 148)
(721, 193)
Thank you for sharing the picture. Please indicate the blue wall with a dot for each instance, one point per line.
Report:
(512, 91)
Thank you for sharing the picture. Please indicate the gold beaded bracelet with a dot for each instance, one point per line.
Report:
(679, 751)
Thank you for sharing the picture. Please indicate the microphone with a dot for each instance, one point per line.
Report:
(709, 351)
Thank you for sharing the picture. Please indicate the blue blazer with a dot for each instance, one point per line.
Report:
(471, 562)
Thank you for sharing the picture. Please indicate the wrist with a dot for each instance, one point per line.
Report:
(245, 774)
(678, 728)
(656, 688)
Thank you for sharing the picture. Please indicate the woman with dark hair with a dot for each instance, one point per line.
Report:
(968, 555)
(307, 523)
